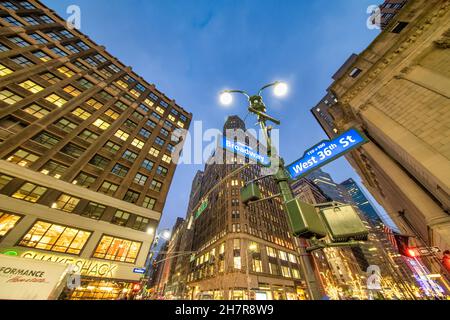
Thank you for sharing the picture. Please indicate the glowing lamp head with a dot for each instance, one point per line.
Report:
(165, 235)
(150, 231)
(280, 89)
(226, 98)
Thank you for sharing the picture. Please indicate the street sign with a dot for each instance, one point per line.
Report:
(202, 208)
(244, 150)
(324, 152)
(139, 270)
(427, 251)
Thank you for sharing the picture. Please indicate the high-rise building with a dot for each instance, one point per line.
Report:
(331, 189)
(241, 252)
(397, 93)
(85, 151)
(343, 271)
(361, 200)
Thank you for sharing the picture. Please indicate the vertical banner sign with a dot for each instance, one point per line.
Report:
(202, 208)
(326, 151)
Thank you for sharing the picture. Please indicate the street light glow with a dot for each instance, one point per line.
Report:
(166, 235)
(226, 98)
(150, 230)
(280, 89)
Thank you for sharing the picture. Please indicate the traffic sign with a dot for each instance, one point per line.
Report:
(202, 208)
(326, 151)
(139, 270)
(244, 150)
(427, 251)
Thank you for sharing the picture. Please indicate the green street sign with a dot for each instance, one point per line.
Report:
(202, 208)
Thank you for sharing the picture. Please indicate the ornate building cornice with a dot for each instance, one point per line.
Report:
(389, 57)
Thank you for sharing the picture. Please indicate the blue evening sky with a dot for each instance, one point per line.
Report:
(193, 49)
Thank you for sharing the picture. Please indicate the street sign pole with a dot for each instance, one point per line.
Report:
(282, 179)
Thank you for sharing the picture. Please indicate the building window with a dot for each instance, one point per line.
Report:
(141, 223)
(122, 135)
(38, 38)
(117, 249)
(355, 72)
(257, 265)
(9, 97)
(151, 124)
(161, 171)
(66, 125)
(147, 164)
(81, 113)
(156, 185)
(36, 111)
(22, 158)
(4, 180)
(46, 19)
(19, 41)
(121, 105)
(399, 27)
(53, 237)
(130, 124)
(66, 71)
(101, 124)
(29, 192)
(154, 152)
(99, 161)
(129, 155)
(94, 104)
(72, 150)
(140, 179)
(4, 71)
(131, 196)
(166, 158)
(8, 5)
(112, 114)
(27, 5)
(42, 56)
(145, 133)
(283, 255)
(46, 139)
(159, 141)
(108, 188)
(286, 271)
(138, 143)
(121, 218)
(54, 169)
(7, 222)
(66, 203)
(59, 52)
(273, 269)
(88, 136)
(120, 170)
(94, 211)
(112, 147)
(22, 61)
(237, 263)
(31, 86)
(149, 203)
(72, 91)
(84, 180)
(271, 252)
(56, 100)
(49, 77)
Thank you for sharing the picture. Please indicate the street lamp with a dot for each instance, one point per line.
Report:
(291, 205)
(165, 234)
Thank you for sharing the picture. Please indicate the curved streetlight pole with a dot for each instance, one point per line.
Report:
(258, 108)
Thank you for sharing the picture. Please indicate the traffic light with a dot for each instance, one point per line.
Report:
(404, 249)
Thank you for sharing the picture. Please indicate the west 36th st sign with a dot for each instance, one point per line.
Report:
(324, 152)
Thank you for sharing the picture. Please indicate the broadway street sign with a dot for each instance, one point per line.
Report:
(324, 152)
(244, 150)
